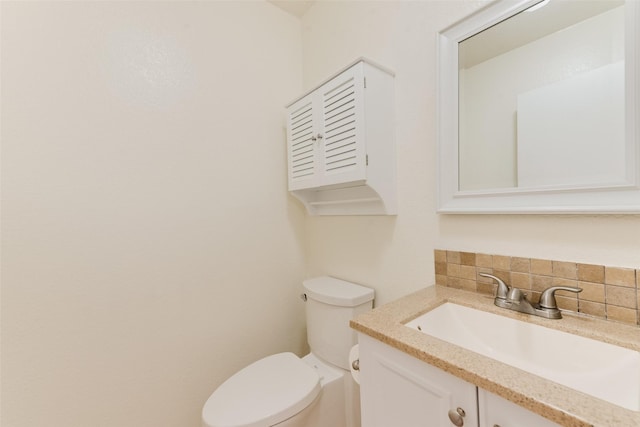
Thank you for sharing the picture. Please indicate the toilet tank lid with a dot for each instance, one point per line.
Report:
(330, 290)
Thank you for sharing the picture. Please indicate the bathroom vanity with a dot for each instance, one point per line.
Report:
(402, 390)
(410, 378)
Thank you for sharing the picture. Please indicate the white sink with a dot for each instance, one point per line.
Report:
(599, 369)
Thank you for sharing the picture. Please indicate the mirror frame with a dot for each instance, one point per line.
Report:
(606, 199)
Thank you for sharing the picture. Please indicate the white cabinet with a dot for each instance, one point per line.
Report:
(340, 144)
(399, 390)
(495, 411)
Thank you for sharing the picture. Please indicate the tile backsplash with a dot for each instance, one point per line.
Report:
(608, 292)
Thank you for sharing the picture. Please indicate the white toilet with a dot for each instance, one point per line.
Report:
(314, 391)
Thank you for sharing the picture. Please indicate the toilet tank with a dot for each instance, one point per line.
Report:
(330, 304)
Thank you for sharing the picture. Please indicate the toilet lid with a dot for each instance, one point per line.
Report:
(263, 394)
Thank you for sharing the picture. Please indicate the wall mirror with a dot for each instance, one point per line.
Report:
(538, 108)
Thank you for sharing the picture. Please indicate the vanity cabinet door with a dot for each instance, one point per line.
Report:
(495, 411)
(399, 390)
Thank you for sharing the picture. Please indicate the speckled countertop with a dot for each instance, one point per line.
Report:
(558, 403)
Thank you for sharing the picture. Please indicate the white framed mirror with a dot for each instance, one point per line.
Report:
(538, 108)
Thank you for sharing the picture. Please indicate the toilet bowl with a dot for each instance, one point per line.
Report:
(284, 390)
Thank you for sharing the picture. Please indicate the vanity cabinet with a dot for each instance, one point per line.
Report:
(399, 390)
(340, 143)
(495, 411)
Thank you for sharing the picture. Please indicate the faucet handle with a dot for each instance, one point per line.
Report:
(503, 289)
(548, 297)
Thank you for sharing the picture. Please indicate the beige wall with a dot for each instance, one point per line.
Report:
(395, 254)
(149, 247)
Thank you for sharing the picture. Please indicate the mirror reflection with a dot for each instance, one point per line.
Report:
(542, 99)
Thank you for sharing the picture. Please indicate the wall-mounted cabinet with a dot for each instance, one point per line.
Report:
(340, 144)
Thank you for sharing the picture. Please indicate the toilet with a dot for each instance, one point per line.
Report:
(316, 390)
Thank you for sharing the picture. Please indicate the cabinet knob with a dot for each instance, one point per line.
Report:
(457, 417)
(356, 365)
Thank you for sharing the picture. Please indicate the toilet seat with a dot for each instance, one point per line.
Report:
(268, 392)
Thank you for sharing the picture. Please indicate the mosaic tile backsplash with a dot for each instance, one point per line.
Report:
(608, 292)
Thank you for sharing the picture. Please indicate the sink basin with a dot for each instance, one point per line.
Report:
(602, 370)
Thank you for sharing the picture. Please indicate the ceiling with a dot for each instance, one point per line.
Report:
(294, 7)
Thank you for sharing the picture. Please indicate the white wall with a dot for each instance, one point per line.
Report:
(149, 247)
(395, 254)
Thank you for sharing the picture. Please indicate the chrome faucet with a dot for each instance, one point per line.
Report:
(515, 299)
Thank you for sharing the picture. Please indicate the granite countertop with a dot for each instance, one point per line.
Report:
(556, 402)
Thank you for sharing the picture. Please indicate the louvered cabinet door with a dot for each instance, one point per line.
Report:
(302, 143)
(342, 151)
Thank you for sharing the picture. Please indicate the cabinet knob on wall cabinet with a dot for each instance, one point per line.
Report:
(457, 417)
